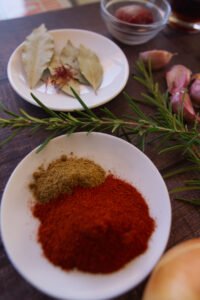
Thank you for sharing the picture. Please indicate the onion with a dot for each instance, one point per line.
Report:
(177, 275)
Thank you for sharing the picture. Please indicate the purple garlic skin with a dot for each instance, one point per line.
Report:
(195, 91)
(178, 78)
(157, 58)
(181, 101)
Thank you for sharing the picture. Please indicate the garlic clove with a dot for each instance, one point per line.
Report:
(178, 77)
(157, 58)
(195, 91)
(181, 101)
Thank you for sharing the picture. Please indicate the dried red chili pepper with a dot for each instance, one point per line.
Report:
(97, 230)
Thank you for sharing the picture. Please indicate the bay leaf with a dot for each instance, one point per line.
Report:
(90, 66)
(67, 87)
(60, 82)
(78, 76)
(54, 63)
(69, 54)
(69, 57)
(37, 52)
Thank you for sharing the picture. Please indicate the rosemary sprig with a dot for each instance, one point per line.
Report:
(171, 131)
(190, 201)
(68, 123)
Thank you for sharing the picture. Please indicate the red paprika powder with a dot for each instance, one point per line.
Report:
(96, 230)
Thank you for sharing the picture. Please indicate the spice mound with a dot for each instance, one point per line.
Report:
(63, 175)
(95, 229)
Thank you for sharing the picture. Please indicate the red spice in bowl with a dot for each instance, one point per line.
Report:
(96, 230)
(134, 14)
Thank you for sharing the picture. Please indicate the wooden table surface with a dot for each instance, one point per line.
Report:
(185, 218)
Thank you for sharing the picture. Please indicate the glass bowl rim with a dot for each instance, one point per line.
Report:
(146, 26)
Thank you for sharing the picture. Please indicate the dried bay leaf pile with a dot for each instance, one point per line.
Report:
(70, 67)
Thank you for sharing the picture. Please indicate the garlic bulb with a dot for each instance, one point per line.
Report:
(177, 275)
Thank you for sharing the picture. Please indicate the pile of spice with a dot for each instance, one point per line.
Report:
(63, 175)
(96, 228)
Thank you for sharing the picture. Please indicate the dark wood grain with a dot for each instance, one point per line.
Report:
(186, 218)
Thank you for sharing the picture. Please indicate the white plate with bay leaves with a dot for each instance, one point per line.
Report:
(113, 64)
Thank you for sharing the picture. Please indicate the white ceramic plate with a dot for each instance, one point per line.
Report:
(113, 60)
(19, 227)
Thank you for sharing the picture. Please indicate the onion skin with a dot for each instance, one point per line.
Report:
(177, 275)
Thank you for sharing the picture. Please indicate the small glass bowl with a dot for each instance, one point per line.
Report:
(135, 34)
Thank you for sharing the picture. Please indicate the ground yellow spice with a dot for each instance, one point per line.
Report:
(63, 175)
